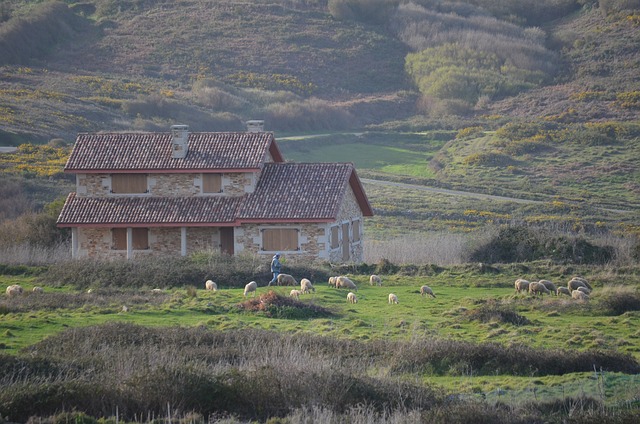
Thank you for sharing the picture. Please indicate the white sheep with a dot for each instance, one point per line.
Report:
(210, 285)
(393, 298)
(549, 285)
(37, 289)
(295, 294)
(375, 280)
(286, 280)
(426, 290)
(250, 287)
(574, 283)
(583, 281)
(345, 283)
(156, 291)
(14, 290)
(563, 290)
(351, 297)
(521, 285)
(536, 288)
(578, 295)
(332, 281)
(584, 290)
(306, 287)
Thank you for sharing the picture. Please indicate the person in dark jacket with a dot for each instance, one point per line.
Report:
(275, 267)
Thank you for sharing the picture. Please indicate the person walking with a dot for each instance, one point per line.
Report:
(275, 267)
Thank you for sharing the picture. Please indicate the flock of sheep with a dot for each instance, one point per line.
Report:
(338, 282)
(577, 287)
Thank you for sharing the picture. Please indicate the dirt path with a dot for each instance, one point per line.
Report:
(466, 193)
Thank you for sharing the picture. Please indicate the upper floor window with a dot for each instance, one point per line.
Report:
(211, 183)
(129, 183)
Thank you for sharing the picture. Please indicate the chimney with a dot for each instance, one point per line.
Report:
(255, 125)
(180, 142)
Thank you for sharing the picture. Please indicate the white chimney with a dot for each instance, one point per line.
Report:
(180, 144)
(255, 125)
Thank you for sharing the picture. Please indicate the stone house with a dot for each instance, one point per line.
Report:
(180, 192)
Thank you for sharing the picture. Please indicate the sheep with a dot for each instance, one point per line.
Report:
(536, 288)
(210, 285)
(286, 280)
(306, 287)
(426, 290)
(156, 291)
(549, 285)
(375, 280)
(344, 282)
(521, 285)
(578, 295)
(14, 290)
(584, 290)
(250, 287)
(563, 290)
(351, 297)
(583, 281)
(393, 298)
(37, 289)
(332, 281)
(574, 284)
(295, 294)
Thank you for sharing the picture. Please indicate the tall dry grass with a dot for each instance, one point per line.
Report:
(433, 248)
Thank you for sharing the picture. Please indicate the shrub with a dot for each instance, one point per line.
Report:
(487, 159)
(493, 311)
(274, 305)
(618, 300)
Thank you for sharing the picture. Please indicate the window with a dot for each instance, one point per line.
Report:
(211, 183)
(119, 238)
(280, 239)
(140, 238)
(355, 228)
(335, 237)
(128, 183)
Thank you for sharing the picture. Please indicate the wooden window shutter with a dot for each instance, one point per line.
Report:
(211, 183)
(119, 238)
(280, 239)
(128, 183)
(140, 238)
(355, 228)
(335, 237)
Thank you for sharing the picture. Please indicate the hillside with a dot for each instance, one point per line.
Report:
(307, 65)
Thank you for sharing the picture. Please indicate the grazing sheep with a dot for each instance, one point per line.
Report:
(578, 295)
(521, 285)
(574, 284)
(210, 285)
(393, 298)
(345, 283)
(563, 290)
(286, 280)
(332, 281)
(351, 297)
(37, 289)
(549, 285)
(375, 280)
(583, 281)
(426, 290)
(536, 288)
(295, 294)
(306, 287)
(14, 290)
(584, 290)
(250, 287)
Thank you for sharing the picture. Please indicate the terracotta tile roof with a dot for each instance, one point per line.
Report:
(300, 191)
(148, 210)
(97, 152)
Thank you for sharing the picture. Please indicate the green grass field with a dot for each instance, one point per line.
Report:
(553, 323)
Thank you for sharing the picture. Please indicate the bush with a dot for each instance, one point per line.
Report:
(618, 300)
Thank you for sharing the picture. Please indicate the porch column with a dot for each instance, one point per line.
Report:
(129, 243)
(183, 241)
(74, 242)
